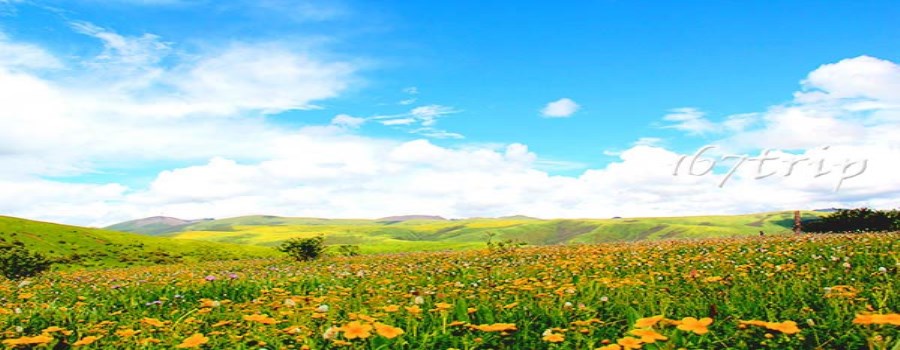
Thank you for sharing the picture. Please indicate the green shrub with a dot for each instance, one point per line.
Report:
(856, 220)
(347, 250)
(304, 249)
(16, 262)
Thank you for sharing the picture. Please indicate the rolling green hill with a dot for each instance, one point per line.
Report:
(416, 233)
(85, 247)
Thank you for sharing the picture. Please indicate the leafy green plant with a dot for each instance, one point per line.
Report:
(304, 249)
(17, 262)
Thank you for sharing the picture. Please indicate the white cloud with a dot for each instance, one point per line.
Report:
(19, 55)
(348, 121)
(266, 77)
(398, 121)
(208, 112)
(561, 108)
(427, 115)
(140, 51)
(690, 120)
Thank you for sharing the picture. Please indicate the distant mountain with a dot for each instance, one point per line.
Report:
(427, 232)
(86, 247)
(411, 217)
(827, 210)
(155, 225)
(518, 217)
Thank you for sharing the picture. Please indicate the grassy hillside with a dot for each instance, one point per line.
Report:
(79, 246)
(409, 235)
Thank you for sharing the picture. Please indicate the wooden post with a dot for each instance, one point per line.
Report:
(797, 228)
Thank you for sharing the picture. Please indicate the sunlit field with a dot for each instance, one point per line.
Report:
(809, 291)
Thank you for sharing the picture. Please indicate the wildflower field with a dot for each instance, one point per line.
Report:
(780, 292)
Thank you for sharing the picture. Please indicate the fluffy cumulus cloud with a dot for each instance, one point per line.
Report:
(209, 110)
(560, 108)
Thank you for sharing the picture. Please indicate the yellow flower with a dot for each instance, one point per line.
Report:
(648, 322)
(86, 341)
(629, 343)
(648, 335)
(356, 329)
(554, 338)
(193, 341)
(386, 331)
(691, 324)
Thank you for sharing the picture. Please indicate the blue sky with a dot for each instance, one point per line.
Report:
(460, 79)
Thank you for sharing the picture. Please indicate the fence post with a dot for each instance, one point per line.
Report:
(797, 228)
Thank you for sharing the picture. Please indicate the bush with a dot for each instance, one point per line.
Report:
(506, 246)
(348, 250)
(16, 262)
(856, 220)
(304, 249)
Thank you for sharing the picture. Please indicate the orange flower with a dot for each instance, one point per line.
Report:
(125, 333)
(415, 309)
(152, 322)
(264, 319)
(754, 323)
(496, 327)
(391, 308)
(386, 331)
(36, 340)
(554, 338)
(691, 324)
(647, 321)
(86, 341)
(648, 335)
(786, 327)
(355, 330)
(193, 341)
(610, 347)
(629, 343)
(893, 319)
(442, 306)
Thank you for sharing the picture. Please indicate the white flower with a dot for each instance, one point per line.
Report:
(567, 305)
(547, 332)
(882, 269)
(330, 333)
(847, 265)
(322, 308)
(419, 300)
(604, 299)
(290, 302)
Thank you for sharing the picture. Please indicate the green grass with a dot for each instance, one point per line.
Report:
(86, 247)
(587, 294)
(375, 236)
